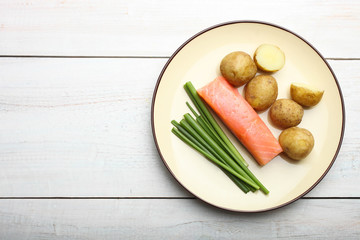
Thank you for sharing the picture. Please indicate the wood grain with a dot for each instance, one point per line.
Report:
(75, 121)
(157, 28)
(174, 219)
(81, 127)
(70, 122)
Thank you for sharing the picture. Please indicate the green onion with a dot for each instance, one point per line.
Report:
(192, 110)
(239, 183)
(213, 159)
(206, 136)
(189, 119)
(199, 104)
(185, 132)
(205, 126)
(198, 137)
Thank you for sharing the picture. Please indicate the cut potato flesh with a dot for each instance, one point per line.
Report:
(269, 58)
(306, 86)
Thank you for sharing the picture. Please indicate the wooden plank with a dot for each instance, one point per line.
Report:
(157, 28)
(81, 127)
(174, 219)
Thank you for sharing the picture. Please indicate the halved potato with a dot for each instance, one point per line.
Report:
(305, 95)
(269, 58)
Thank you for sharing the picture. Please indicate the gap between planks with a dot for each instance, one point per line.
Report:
(55, 56)
(147, 198)
(150, 57)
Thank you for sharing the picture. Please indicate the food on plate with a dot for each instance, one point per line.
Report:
(261, 92)
(241, 119)
(269, 58)
(238, 68)
(305, 95)
(296, 142)
(203, 134)
(285, 113)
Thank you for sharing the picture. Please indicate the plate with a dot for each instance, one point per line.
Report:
(198, 60)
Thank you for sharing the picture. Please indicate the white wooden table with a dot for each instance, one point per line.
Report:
(77, 158)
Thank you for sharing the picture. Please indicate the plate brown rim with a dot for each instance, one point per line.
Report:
(239, 22)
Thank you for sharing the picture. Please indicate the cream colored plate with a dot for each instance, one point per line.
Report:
(198, 60)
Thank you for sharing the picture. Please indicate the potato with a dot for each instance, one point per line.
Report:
(286, 113)
(296, 142)
(238, 68)
(261, 92)
(269, 58)
(305, 95)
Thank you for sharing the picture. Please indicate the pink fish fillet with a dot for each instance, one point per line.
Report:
(241, 119)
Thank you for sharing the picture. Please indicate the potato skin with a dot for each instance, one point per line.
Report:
(305, 96)
(261, 92)
(286, 113)
(238, 68)
(296, 142)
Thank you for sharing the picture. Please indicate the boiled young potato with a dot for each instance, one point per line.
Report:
(238, 68)
(296, 142)
(286, 113)
(261, 92)
(269, 58)
(305, 95)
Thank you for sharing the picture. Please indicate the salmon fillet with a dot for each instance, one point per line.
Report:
(241, 119)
